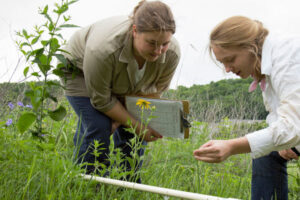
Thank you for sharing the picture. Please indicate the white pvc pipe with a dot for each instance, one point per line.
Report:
(153, 189)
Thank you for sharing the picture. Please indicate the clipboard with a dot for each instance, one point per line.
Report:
(170, 116)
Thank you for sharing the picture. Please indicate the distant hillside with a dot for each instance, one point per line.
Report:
(226, 98)
(16, 92)
(212, 102)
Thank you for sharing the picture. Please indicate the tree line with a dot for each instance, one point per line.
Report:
(217, 100)
(211, 102)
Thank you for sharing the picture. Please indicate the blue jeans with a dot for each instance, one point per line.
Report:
(269, 178)
(94, 125)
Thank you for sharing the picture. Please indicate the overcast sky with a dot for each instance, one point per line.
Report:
(195, 19)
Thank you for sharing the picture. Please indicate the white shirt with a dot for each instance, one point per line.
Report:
(281, 65)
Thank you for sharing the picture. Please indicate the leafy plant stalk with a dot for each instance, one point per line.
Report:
(42, 52)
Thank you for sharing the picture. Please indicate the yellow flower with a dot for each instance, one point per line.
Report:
(143, 104)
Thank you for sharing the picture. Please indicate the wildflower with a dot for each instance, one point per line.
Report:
(143, 104)
(8, 122)
(20, 104)
(28, 106)
(11, 105)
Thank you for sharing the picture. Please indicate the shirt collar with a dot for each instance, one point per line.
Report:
(126, 55)
(266, 57)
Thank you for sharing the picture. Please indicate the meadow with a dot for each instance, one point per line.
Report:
(37, 128)
(35, 168)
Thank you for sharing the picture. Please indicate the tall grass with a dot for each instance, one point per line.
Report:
(31, 169)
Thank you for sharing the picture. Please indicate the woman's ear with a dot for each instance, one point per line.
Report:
(134, 32)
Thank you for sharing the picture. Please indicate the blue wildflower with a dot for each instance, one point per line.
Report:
(28, 106)
(11, 105)
(20, 104)
(8, 122)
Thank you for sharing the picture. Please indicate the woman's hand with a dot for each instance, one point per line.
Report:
(114, 126)
(149, 135)
(288, 154)
(216, 151)
(120, 116)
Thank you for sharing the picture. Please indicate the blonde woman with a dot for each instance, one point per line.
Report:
(245, 47)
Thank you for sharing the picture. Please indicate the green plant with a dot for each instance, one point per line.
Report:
(41, 49)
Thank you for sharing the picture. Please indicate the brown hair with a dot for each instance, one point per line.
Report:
(241, 32)
(153, 16)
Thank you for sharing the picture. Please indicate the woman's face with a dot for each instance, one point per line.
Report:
(150, 45)
(236, 60)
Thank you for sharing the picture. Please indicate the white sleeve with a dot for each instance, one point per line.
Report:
(284, 133)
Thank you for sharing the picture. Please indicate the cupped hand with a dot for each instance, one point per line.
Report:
(214, 151)
(288, 154)
(150, 135)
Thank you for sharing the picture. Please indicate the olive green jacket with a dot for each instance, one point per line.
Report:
(103, 53)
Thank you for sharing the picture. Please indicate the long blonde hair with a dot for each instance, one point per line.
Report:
(241, 32)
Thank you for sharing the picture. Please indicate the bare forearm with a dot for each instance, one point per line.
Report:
(120, 114)
(216, 151)
(239, 145)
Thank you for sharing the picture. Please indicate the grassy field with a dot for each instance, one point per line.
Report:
(31, 169)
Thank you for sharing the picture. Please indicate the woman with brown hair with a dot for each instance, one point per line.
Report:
(115, 57)
(245, 47)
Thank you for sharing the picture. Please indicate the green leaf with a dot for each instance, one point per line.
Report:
(36, 60)
(25, 121)
(57, 29)
(54, 45)
(29, 54)
(71, 2)
(66, 18)
(60, 65)
(35, 74)
(45, 42)
(61, 9)
(44, 68)
(43, 59)
(51, 27)
(38, 52)
(45, 10)
(35, 40)
(49, 96)
(68, 26)
(58, 114)
(53, 83)
(29, 93)
(24, 44)
(61, 58)
(25, 71)
(24, 52)
(36, 99)
(25, 34)
(48, 17)
(62, 50)
(60, 35)
(58, 72)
